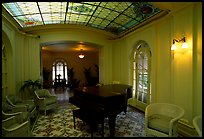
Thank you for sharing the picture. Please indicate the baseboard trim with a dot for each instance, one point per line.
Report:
(185, 129)
(137, 104)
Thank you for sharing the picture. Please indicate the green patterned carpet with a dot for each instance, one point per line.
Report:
(59, 123)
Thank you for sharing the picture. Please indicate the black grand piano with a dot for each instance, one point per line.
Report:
(108, 100)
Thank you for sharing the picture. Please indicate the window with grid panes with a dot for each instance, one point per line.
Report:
(141, 73)
(60, 69)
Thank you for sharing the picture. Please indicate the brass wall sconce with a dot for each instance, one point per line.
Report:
(81, 55)
(184, 44)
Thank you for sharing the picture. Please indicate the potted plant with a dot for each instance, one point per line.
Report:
(29, 87)
(73, 82)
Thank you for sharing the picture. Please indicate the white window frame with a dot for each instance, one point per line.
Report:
(64, 73)
(142, 57)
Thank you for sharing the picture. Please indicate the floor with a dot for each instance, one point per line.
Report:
(132, 123)
(59, 122)
(63, 95)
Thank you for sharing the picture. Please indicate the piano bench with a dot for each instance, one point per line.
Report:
(90, 117)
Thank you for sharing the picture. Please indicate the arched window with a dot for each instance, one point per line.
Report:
(59, 70)
(4, 70)
(141, 72)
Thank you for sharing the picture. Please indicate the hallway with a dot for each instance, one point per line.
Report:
(63, 95)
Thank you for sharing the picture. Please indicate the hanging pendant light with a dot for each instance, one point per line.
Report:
(81, 55)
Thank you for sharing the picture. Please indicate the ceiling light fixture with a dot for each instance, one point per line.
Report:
(81, 55)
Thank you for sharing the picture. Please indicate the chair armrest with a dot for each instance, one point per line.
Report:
(11, 114)
(19, 116)
(22, 107)
(17, 130)
(8, 122)
(28, 101)
(175, 119)
(17, 127)
(41, 102)
(52, 97)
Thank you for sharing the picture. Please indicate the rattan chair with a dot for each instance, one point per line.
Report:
(12, 127)
(44, 100)
(161, 119)
(197, 123)
(29, 105)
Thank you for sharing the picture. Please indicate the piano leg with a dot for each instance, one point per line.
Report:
(111, 122)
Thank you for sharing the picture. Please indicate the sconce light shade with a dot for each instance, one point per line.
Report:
(173, 47)
(184, 44)
(81, 55)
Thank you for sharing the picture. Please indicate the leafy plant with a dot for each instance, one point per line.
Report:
(31, 85)
(90, 78)
(46, 73)
(28, 88)
(73, 82)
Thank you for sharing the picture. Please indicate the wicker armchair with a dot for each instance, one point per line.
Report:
(8, 111)
(197, 123)
(161, 119)
(12, 127)
(44, 100)
(29, 105)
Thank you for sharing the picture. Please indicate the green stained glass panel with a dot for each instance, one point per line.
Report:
(52, 7)
(122, 19)
(104, 13)
(130, 12)
(92, 3)
(105, 23)
(74, 17)
(115, 17)
(112, 5)
(28, 7)
(114, 25)
(83, 18)
(98, 11)
(112, 15)
(92, 20)
(103, 4)
(98, 21)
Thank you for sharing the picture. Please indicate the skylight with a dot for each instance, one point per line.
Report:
(115, 17)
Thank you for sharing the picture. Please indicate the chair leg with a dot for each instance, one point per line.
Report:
(74, 122)
(103, 129)
(45, 112)
(92, 133)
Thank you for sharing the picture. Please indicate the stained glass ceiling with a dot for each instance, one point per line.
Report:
(114, 17)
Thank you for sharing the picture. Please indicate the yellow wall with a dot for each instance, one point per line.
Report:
(175, 76)
(23, 56)
(197, 60)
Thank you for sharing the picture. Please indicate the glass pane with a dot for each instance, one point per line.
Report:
(145, 98)
(53, 73)
(112, 15)
(66, 76)
(139, 96)
(122, 15)
(142, 70)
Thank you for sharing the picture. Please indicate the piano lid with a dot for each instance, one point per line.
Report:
(108, 90)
